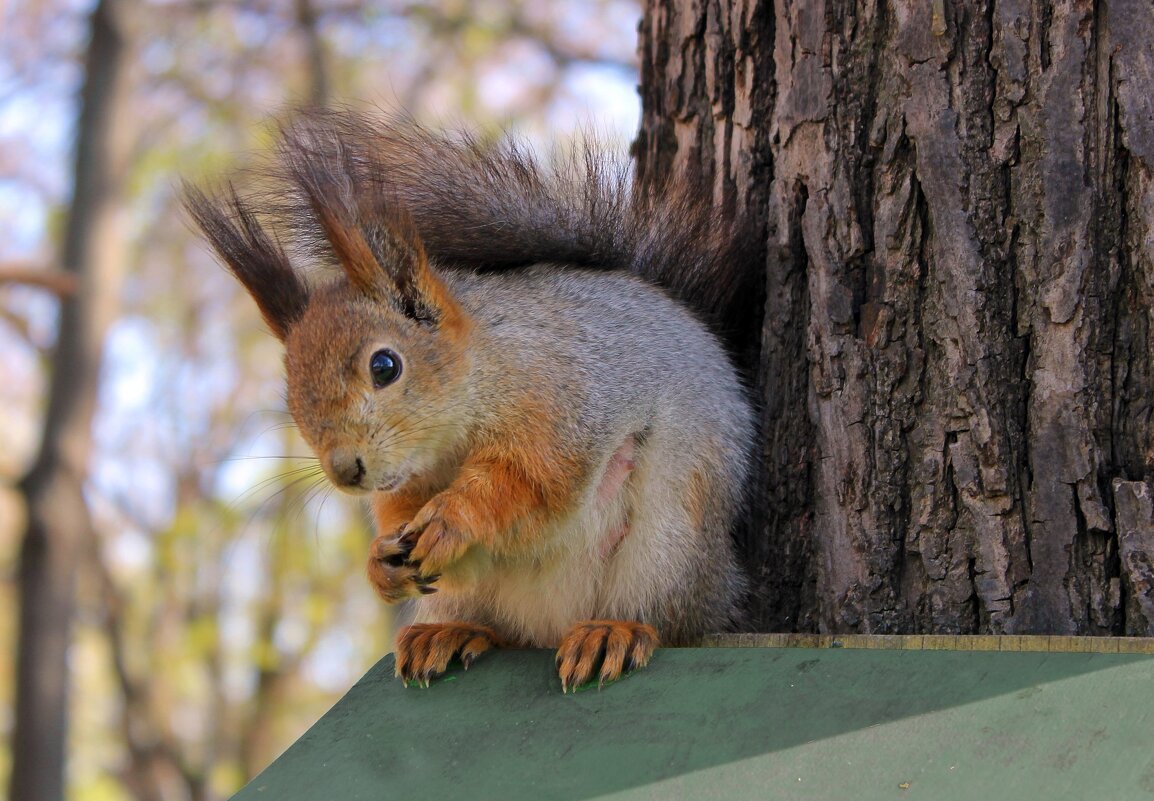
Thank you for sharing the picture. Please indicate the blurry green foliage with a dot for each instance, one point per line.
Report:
(225, 606)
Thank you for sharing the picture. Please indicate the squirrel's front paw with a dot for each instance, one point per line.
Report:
(390, 572)
(618, 645)
(439, 537)
(425, 649)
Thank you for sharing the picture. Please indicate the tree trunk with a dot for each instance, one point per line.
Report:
(956, 371)
(316, 61)
(53, 489)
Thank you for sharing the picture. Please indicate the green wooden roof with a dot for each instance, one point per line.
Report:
(898, 722)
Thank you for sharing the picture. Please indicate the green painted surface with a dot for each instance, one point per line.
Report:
(764, 723)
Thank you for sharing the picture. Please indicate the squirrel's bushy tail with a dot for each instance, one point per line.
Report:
(494, 204)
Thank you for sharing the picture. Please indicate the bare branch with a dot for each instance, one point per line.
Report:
(57, 282)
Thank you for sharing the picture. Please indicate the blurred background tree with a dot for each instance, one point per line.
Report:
(192, 579)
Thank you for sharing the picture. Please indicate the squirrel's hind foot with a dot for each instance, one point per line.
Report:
(619, 646)
(424, 650)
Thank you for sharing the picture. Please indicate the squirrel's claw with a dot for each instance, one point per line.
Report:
(424, 650)
(438, 545)
(400, 555)
(391, 575)
(618, 646)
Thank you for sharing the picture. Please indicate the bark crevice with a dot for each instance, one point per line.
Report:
(961, 346)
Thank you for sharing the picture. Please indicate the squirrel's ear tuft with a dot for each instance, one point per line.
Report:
(259, 263)
(371, 236)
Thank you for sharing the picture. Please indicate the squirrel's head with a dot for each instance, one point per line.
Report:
(378, 395)
(377, 359)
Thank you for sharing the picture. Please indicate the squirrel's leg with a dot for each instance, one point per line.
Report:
(390, 572)
(498, 501)
(619, 646)
(424, 650)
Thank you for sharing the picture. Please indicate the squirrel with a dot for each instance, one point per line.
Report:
(517, 365)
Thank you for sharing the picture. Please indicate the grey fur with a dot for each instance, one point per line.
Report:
(589, 304)
(613, 355)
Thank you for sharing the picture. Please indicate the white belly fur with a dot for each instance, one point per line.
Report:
(597, 563)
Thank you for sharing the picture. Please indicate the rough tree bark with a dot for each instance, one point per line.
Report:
(956, 369)
(53, 489)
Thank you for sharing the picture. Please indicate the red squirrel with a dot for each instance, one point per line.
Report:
(513, 363)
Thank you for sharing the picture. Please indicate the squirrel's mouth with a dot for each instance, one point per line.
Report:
(389, 483)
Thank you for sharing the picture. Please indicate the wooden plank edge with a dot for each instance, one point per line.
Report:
(937, 642)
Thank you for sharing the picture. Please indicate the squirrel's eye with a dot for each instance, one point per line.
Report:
(384, 367)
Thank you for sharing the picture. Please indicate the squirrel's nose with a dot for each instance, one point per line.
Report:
(345, 467)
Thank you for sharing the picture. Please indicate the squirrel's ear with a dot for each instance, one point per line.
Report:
(373, 239)
(251, 255)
